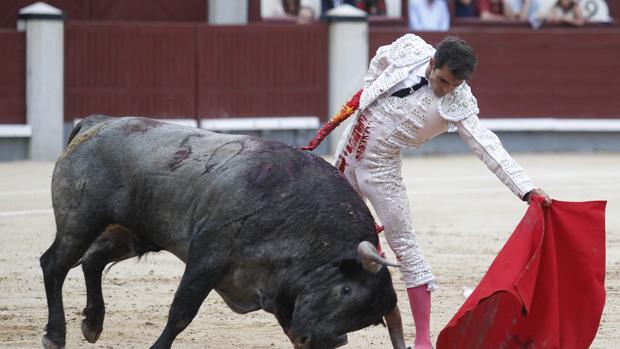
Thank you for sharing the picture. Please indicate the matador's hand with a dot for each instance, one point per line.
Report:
(539, 192)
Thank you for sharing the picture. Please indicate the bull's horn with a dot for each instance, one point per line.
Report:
(371, 259)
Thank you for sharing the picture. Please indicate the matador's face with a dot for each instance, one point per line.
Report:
(442, 80)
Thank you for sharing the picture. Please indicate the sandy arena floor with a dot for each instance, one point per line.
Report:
(463, 215)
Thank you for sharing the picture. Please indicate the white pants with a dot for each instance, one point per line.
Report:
(383, 186)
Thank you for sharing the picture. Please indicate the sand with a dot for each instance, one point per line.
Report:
(463, 216)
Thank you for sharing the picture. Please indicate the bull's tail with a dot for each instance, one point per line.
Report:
(86, 124)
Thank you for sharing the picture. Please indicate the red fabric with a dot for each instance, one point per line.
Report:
(545, 289)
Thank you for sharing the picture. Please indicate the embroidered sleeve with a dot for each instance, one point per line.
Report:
(409, 49)
(489, 149)
(378, 63)
(459, 105)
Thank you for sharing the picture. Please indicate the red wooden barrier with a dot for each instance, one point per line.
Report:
(114, 10)
(195, 71)
(149, 10)
(614, 10)
(262, 70)
(78, 9)
(129, 69)
(12, 77)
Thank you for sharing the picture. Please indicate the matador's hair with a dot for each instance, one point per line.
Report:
(458, 56)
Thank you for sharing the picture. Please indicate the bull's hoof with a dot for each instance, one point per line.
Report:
(89, 334)
(49, 344)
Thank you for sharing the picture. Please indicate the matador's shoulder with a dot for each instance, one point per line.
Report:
(459, 104)
(409, 49)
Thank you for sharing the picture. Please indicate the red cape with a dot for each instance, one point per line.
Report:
(545, 289)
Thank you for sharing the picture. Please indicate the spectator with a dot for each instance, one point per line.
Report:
(372, 7)
(429, 15)
(517, 9)
(284, 9)
(327, 5)
(304, 11)
(524, 10)
(306, 15)
(566, 11)
(290, 7)
(296, 10)
(492, 10)
(465, 8)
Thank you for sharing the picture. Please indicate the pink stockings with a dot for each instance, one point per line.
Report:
(420, 301)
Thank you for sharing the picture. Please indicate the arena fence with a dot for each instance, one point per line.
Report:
(12, 77)
(130, 69)
(256, 74)
(195, 71)
(114, 10)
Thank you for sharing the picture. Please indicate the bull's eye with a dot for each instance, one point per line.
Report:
(346, 289)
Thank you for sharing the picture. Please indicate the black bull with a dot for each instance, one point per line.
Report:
(265, 225)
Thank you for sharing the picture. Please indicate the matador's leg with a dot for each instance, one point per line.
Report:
(390, 201)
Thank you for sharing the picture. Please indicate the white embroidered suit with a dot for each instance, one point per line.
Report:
(369, 153)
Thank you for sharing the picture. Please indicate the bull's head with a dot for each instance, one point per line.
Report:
(342, 297)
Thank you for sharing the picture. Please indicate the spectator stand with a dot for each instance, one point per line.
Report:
(598, 13)
(595, 11)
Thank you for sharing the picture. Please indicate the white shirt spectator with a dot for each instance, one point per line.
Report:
(526, 10)
(429, 15)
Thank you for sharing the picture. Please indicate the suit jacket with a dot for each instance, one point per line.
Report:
(394, 62)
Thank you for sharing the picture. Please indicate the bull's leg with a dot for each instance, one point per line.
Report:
(395, 328)
(195, 286)
(56, 263)
(114, 245)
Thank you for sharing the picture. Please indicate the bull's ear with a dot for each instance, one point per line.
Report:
(349, 266)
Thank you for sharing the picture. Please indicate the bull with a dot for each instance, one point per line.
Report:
(264, 225)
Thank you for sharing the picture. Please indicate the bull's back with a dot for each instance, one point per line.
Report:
(132, 152)
(140, 173)
(156, 178)
(139, 146)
